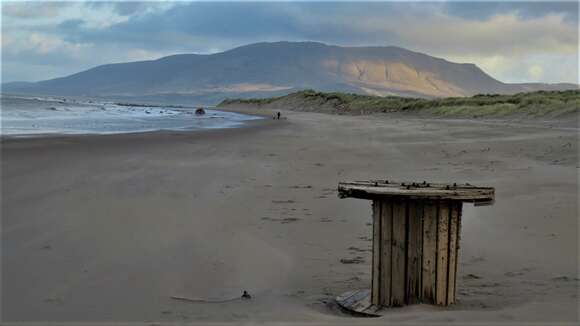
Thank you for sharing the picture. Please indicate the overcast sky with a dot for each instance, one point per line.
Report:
(513, 42)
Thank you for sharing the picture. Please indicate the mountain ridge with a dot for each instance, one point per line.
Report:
(265, 69)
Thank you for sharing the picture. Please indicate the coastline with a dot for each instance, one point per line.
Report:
(238, 124)
(108, 227)
(153, 135)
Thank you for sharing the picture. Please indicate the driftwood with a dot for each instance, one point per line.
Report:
(244, 296)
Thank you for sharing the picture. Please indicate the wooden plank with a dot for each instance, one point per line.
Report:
(466, 188)
(414, 252)
(458, 244)
(358, 301)
(411, 185)
(453, 219)
(371, 193)
(442, 253)
(376, 266)
(398, 246)
(364, 191)
(385, 260)
(429, 256)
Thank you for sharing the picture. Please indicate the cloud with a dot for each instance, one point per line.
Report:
(423, 26)
(535, 72)
(554, 67)
(125, 8)
(499, 34)
(71, 24)
(196, 24)
(131, 8)
(483, 10)
(32, 10)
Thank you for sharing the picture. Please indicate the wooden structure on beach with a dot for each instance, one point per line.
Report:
(416, 232)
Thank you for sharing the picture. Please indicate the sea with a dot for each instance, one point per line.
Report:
(35, 116)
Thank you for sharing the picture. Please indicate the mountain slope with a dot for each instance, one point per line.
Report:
(282, 67)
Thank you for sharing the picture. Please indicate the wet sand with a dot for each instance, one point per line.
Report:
(107, 228)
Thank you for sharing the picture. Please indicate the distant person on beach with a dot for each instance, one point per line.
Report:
(278, 115)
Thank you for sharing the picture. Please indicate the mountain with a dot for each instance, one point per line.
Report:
(268, 69)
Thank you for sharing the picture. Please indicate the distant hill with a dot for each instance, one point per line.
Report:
(270, 69)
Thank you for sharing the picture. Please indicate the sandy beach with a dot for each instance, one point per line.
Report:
(108, 228)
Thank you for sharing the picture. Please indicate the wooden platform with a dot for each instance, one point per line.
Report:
(384, 189)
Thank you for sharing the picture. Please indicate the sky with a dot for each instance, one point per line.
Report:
(511, 41)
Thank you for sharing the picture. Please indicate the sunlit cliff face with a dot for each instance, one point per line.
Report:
(383, 77)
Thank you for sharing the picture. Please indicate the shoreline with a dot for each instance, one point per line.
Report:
(37, 117)
(156, 135)
(240, 125)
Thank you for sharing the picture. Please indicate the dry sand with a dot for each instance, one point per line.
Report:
(107, 228)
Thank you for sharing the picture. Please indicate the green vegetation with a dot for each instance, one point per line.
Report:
(533, 104)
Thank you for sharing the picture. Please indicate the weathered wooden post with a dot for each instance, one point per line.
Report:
(416, 232)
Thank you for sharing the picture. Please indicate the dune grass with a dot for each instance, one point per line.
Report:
(534, 104)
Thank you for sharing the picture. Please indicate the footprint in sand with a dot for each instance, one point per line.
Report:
(283, 201)
(471, 277)
(266, 218)
(355, 260)
(475, 260)
(285, 220)
(290, 220)
(301, 187)
(565, 278)
(356, 249)
(520, 272)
